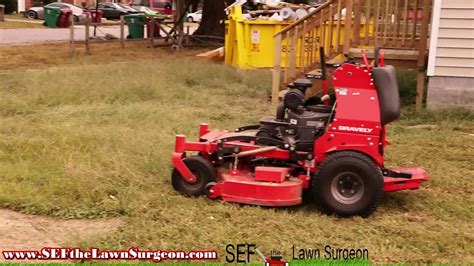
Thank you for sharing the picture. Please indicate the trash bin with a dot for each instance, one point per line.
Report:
(136, 31)
(156, 29)
(51, 16)
(96, 15)
(65, 18)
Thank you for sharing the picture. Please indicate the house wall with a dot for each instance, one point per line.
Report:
(451, 60)
(27, 3)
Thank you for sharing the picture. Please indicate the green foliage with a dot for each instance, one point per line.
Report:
(407, 86)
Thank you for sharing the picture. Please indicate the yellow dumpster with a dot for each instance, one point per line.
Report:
(251, 44)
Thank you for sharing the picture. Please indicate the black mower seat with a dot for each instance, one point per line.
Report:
(301, 84)
(387, 90)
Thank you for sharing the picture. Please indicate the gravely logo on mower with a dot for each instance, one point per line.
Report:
(355, 129)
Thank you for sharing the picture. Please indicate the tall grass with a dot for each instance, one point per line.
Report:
(95, 140)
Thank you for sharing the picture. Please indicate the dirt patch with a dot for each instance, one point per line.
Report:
(29, 232)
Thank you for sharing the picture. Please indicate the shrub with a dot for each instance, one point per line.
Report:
(407, 85)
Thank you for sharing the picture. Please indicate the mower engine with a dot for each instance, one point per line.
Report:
(296, 124)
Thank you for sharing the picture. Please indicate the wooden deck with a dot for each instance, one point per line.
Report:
(399, 27)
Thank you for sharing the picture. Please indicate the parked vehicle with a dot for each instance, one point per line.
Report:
(162, 6)
(114, 10)
(38, 12)
(129, 8)
(146, 10)
(194, 17)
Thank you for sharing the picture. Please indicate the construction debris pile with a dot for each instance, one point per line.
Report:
(275, 10)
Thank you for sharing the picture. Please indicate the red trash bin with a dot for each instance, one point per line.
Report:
(64, 20)
(96, 15)
(156, 29)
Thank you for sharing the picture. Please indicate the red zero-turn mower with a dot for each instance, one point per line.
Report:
(336, 151)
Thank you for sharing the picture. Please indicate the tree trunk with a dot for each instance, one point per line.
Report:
(213, 16)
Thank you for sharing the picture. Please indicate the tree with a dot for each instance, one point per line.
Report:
(213, 16)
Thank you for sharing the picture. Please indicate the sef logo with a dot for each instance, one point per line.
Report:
(239, 253)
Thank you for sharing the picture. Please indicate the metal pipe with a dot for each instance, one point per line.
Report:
(252, 152)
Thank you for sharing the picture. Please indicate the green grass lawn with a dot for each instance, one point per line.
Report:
(94, 140)
(20, 25)
(20, 22)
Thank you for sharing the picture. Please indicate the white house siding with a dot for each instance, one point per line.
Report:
(451, 61)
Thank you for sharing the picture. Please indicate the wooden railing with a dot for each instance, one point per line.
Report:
(339, 25)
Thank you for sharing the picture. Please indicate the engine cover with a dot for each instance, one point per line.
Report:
(307, 125)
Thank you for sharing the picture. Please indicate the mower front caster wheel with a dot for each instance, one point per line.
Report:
(348, 183)
(204, 172)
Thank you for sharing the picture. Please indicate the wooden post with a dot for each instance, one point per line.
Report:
(302, 47)
(71, 35)
(88, 22)
(357, 20)
(180, 23)
(420, 86)
(376, 24)
(396, 27)
(122, 26)
(2, 13)
(387, 20)
(367, 21)
(424, 33)
(338, 28)
(405, 23)
(152, 31)
(347, 27)
(276, 73)
(293, 47)
(413, 29)
(188, 41)
(420, 89)
(330, 29)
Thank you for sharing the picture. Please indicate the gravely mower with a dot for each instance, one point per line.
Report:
(334, 149)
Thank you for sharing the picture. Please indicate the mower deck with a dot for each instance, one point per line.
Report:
(242, 188)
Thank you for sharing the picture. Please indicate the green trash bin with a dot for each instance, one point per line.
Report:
(51, 16)
(136, 31)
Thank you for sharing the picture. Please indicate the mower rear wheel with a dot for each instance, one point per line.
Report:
(204, 172)
(348, 183)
